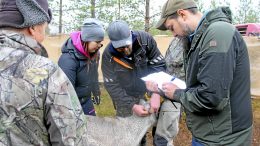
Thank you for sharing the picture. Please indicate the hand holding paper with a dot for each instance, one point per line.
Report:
(162, 77)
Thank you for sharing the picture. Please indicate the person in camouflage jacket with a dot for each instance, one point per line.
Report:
(38, 105)
(170, 111)
(174, 57)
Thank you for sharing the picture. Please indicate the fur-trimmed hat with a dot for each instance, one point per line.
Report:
(24, 13)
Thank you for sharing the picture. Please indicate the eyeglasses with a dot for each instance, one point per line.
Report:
(123, 47)
(100, 45)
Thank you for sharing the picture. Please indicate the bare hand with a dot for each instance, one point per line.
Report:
(139, 110)
(151, 86)
(169, 89)
(154, 103)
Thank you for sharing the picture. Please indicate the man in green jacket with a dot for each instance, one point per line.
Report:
(217, 99)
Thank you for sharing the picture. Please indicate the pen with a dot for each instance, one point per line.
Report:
(173, 79)
(161, 93)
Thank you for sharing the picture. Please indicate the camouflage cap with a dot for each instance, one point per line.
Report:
(171, 7)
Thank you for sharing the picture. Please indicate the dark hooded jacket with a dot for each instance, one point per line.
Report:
(81, 70)
(217, 99)
(124, 84)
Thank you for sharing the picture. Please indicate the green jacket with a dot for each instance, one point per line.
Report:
(217, 100)
(38, 104)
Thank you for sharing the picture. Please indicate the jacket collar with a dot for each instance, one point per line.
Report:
(20, 41)
(190, 37)
(73, 45)
(219, 14)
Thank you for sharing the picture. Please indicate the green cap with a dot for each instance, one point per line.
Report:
(171, 7)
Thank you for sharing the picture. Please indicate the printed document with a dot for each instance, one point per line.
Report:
(162, 77)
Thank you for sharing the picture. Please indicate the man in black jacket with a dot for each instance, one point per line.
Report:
(129, 56)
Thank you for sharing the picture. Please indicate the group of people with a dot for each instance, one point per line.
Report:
(44, 104)
(129, 56)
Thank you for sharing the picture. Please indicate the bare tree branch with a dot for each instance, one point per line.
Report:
(154, 15)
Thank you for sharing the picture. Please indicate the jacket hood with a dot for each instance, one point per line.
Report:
(219, 14)
(68, 47)
(73, 45)
(76, 40)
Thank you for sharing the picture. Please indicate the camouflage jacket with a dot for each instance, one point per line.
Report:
(38, 105)
(174, 58)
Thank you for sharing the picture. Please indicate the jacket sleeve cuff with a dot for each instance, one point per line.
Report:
(96, 93)
(131, 105)
(177, 95)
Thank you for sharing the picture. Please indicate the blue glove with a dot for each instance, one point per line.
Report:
(96, 99)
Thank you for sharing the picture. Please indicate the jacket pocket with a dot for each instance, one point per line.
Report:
(168, 122)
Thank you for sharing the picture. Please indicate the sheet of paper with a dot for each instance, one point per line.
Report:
(162, 77)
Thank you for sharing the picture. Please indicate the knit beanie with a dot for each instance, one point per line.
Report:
(24, 13)
(92, 30)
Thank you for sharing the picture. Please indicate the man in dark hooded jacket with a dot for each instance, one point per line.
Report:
(129, 56)
(217, 99)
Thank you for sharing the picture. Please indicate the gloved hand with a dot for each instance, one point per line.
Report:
(96, 99)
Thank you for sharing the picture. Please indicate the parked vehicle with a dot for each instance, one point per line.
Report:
(249, 29)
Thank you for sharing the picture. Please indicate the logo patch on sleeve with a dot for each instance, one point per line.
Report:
(213, 43)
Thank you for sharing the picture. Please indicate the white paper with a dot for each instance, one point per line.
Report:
(162, 77)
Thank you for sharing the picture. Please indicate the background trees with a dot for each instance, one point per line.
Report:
(140, 14)
(248, 11)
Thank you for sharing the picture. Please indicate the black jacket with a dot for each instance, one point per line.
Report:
(81, 70)
(123, 84)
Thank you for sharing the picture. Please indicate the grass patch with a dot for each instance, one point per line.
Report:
(106, 107)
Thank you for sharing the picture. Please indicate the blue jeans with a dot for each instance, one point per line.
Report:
(194, 142)
(158, 140)
(88, 107)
